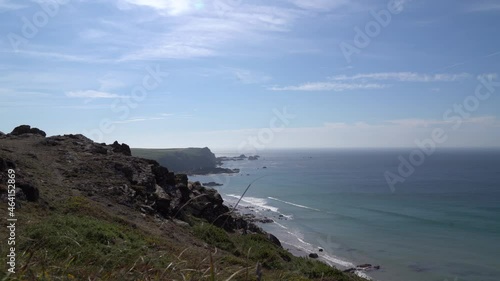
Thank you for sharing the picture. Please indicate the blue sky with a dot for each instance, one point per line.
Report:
(255, 74)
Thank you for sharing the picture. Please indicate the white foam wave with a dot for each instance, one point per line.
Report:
(280, 225)
(336, 260)
(362, 275)
(293, 204)
(259, 202)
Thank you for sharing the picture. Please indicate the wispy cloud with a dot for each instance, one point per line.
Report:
(250, 77)
(167, 7)
(209, 35)
(404, 77)
(135, 120)
(59, 56)
(91, 94)
(319, 5)
(330, 86)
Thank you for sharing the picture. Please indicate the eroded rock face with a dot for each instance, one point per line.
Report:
(121, 148)
(108, 172)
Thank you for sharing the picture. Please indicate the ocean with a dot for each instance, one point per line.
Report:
(441, 224)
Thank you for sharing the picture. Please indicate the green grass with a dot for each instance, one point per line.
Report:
(78, 241)
(278, 263)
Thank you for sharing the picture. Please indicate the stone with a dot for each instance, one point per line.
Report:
(26, 129)
(313, 255)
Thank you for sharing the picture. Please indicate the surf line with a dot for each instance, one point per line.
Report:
(293, 204)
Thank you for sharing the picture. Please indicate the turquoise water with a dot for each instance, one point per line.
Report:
(442, 223)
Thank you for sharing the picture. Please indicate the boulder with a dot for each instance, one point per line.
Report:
(26, 129)
(121, 148)
(313, 255)
(163, 200)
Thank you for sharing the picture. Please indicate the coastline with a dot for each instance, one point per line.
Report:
(254, 215)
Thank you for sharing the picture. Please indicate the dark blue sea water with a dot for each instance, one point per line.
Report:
(441, 223)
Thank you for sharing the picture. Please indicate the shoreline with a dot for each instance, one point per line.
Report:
(250, 213)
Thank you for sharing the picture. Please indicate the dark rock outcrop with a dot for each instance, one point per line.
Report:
(363, 267)
(26, 129)
(211, 184)
(121, 148)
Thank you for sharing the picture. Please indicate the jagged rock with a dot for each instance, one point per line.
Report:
(30, 191)
(163, 176)
(2, 134)
(121, 148)
(26, 129)
(313, 255)
(162, 202)
(97, 170)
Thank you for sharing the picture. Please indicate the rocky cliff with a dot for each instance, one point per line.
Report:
(76, 164)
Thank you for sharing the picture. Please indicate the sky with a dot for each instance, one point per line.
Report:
(251, 75)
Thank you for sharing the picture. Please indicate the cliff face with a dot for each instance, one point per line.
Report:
(184, 160)
(74, 164)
